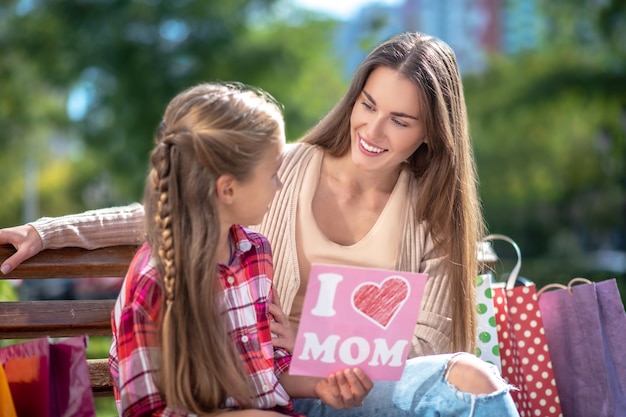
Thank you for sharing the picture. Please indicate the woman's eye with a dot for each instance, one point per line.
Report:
(367, 106)
(400, 123)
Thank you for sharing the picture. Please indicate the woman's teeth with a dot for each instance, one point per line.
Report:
(371, 148)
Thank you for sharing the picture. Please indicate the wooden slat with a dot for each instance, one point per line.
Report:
(28, 319)
(101, 382)
(72, 262)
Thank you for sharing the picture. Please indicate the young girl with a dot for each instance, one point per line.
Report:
(191, 325)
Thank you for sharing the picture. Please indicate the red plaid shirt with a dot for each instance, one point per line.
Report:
(247, 284)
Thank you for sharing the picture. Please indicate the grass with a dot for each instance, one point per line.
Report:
(105, 407)
(99, 348)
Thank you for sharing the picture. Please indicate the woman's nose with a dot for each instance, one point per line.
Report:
(375, 127)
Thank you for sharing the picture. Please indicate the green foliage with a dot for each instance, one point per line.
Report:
(122, 62)
(7, 291)
(549, 128)
(541, 129)
(588, 24)
(105, 407)
(304, 75)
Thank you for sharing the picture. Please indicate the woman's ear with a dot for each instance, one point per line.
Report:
(225, 188)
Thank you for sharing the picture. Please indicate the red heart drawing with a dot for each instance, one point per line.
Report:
(380, 303)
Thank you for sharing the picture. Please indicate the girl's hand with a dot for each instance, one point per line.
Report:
(284, 334)
(344, 389)
(23, 238)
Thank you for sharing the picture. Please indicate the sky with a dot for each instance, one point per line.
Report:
(340, 8)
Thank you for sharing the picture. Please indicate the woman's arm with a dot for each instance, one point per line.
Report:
(94, 228)
(91, 229)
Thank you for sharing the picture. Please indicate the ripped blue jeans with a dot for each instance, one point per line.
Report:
(422, 391)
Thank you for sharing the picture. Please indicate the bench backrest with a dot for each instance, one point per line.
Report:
(33, 319)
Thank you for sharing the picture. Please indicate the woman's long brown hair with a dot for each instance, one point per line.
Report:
(207, 131)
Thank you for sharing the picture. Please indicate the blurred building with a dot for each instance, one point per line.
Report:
(475, 29)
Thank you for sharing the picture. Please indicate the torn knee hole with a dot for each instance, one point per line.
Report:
(469, 374)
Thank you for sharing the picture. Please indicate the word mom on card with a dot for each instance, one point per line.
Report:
(357, 317)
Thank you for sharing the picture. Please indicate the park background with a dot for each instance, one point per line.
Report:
(83, 85)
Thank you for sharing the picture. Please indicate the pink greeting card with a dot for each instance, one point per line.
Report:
(357, 317)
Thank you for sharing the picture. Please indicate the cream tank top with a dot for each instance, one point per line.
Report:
(379, 248)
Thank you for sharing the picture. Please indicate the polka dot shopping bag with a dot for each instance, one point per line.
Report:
(524, 353)
(487, 347)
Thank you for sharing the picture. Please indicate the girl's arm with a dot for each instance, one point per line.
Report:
(91, 229)
(341, 390)
(283, 333)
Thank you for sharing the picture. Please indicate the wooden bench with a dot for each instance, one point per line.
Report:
(33, 319)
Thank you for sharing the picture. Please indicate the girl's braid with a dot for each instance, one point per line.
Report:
(163, 217)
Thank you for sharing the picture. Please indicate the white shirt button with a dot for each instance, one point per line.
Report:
(244, 339)
(244, 246)
(230, 279)
(266, 388)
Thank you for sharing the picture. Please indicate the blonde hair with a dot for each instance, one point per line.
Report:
(207, 130)
(444, 167)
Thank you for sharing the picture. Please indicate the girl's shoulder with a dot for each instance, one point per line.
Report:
(248, 238)
(142, 276)
(141, 289)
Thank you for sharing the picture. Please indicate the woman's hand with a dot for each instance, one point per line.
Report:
(245, 413)
(344, 389)
(23, 238)
(284, 333)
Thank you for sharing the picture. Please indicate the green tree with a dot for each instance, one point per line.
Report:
(550, 134)
(84, 84)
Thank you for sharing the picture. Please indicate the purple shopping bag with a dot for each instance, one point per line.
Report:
(586, 332)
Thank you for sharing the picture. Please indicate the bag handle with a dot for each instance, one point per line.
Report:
(510, 283)
(563, 287)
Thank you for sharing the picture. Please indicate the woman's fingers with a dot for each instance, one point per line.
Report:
(360, 384)
(352, 387)
(23, 238)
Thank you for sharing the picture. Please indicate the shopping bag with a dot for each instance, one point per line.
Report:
(586, 332)
(524, 353)
(7, 409)
(487, 347)
(49, 379)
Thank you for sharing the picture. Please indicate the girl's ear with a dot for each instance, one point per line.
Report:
(225, 188)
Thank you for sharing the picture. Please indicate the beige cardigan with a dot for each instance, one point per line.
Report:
(433, 329)
(124, 225)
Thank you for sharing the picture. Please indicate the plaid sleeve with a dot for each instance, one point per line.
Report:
(282, 360)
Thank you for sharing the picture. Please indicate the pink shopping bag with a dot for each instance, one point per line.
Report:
(49, 379)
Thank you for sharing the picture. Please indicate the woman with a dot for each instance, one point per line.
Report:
(391, 163)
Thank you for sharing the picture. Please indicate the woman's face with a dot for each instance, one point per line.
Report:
(387, 121)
